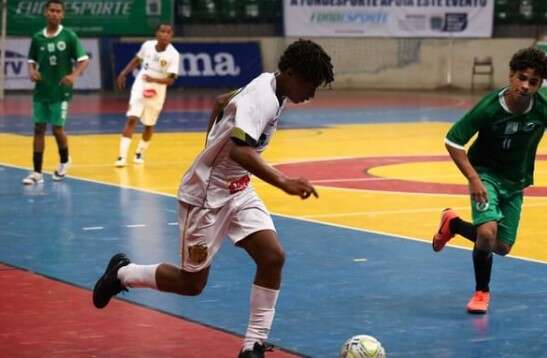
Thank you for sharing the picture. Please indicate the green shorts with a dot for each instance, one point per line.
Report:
(49, 112)
(504, 206)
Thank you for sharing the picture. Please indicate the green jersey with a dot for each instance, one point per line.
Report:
(507, 142)
(54, 58)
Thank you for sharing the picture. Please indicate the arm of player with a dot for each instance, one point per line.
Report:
(249, 159)
(33, 72)
(80, 67)
(476, 187)
(120, 80)
(218, 106)
(165, 81)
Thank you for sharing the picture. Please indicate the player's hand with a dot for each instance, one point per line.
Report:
(147, 78)
(299, 186)
(35, 76)
(120, 81)
(68, 80)
(477, 190)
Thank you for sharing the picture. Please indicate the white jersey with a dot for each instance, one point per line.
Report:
(158, 65)
(251, 115)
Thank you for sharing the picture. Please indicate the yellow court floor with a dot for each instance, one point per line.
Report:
(409, 215)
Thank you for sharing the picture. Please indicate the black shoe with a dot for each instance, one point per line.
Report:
(108, 284)
(257, 352)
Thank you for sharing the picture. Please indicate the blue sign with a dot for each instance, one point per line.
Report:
(225, 65)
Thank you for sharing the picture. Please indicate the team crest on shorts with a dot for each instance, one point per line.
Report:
(197, 253)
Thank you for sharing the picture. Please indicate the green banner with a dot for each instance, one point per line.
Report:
(93, 18)
(543, 46)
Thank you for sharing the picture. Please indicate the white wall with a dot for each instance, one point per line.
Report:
(382, 63)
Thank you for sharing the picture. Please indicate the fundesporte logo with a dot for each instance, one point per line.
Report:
(349, 17)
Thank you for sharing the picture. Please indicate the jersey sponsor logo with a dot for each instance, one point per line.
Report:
(51, 47)
(239, 184)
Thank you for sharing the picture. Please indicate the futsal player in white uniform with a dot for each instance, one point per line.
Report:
(216, 199)
(159, 62)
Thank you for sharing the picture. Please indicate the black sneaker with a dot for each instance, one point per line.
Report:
(108, 284)
(257, 352)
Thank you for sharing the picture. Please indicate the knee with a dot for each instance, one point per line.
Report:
(486, 238)
(273, 260)
(502, 249)
(39, 130)
(58, 131)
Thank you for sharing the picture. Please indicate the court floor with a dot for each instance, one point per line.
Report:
(359, 259)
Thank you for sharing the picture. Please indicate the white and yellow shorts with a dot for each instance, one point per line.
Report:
(146, 109)
(202, 230)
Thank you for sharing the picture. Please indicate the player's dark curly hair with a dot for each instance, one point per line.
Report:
(530, 57)
(49, 2)
(309, 61)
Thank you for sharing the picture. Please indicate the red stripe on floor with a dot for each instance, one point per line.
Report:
(40, 317)
(354, 173)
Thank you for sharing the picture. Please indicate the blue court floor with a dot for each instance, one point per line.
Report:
(338, 282)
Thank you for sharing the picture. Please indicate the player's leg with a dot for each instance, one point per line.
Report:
(199, 243)
(450, 225)
(508, 226)
(149, 119)
(486, 218)
(269, 257)
(40, 113)
(125, 140)
(59, 112)
(252, 229)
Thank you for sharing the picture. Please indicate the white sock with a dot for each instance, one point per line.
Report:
(134, 275)
(263, 302)
(124, 146)
(143, 145)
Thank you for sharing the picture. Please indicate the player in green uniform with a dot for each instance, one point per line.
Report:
(498, 165)
(51, 53)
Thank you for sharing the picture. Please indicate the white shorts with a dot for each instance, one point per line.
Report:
(146, 109)
(202, 230)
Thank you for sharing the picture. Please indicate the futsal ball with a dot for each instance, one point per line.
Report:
(362, 346)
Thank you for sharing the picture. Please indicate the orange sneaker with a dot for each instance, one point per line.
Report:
(444, 234)
(479, 302)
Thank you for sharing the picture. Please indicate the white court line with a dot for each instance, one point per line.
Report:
(89, 228)
(173, 224)
(298, 218)
(135, 225)
(360, 260)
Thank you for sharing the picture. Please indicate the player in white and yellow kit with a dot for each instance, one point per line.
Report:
(159, 62)
(216, 199)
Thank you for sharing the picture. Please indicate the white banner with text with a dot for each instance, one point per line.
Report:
(389, 18)
(16, 65)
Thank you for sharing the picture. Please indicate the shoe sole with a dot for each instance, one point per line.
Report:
(474, 311)
(115, 259)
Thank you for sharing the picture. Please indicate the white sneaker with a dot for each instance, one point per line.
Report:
(139, 159)
(33, 178)
(61, 171)
(120, 163)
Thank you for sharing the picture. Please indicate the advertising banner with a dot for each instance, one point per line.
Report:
(93, 17)
(389, 18)
(16, 65)
(228, 65)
